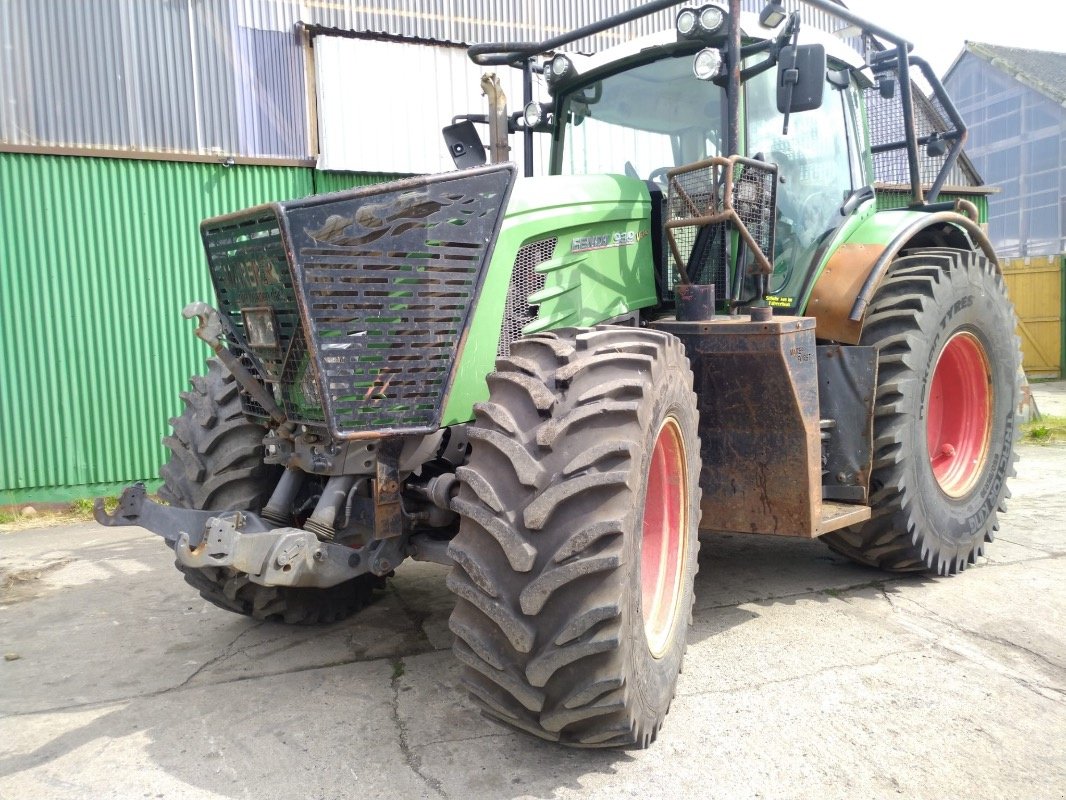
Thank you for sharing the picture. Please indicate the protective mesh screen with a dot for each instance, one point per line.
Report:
(353, 307)
(886, 123)
(700, 191)
(517, 312)
(251, 275)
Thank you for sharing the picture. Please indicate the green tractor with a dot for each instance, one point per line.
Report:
(705, 317)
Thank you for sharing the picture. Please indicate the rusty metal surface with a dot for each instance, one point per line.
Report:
(388, 510)
(735, 192)
(836, 289)
(847, 384)
(945, 221)
(756, 385)
(835, 516)
(695, 302)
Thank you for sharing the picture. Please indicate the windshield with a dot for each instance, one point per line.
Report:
(641, 122)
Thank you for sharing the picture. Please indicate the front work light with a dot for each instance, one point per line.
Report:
(711, 18)
(559, 67)
(535, 115)
(773, 14)
(686, 22)
(707, 65)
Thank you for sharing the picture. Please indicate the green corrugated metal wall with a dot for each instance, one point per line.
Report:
(97, 258)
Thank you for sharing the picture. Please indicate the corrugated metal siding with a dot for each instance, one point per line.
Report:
(178, 77)
(226, 78)
(325, 182)
(97, 260)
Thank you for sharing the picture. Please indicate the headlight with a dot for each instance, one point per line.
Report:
(707, 64)
(711, 18)
(560, 67)
(686, 21)
(533, 114)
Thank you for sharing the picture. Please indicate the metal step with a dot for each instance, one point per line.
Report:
(840, 515)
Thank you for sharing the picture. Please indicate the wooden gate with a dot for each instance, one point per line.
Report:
(1038, 289)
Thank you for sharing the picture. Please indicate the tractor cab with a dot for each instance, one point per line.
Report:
(661, 102)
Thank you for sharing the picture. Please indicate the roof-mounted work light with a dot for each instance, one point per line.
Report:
(772, 14)
(558, 69)
(686, 22)
(711, 19)
(705, 23)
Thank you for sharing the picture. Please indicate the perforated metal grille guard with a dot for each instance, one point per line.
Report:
(372, 291)
(525, 280)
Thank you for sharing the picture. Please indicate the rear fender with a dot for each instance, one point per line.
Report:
(853, 272)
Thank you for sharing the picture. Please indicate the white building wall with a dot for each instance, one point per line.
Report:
(381, 105)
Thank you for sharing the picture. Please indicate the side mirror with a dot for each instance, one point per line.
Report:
(464, 145)
(800, 78)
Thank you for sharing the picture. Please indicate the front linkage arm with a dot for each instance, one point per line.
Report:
(245, 542)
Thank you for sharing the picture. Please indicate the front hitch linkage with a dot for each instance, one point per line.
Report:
(245, 542)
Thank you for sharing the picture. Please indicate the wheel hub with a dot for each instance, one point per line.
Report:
(662, 550)
(958, 420)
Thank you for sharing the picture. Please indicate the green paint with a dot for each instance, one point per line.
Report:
(866, 226)
(68, 494)
(888, 199)
(581, 288)
(97, 260)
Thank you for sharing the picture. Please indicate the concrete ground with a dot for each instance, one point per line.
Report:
(806, 677)
(1050, 397)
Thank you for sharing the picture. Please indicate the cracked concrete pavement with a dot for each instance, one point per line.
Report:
(806, 676)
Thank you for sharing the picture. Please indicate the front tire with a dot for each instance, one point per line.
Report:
(216, 462)
(945, 425)
(577, 547)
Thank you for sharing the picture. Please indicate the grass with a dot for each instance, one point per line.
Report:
(1047, 430)
(13, 518)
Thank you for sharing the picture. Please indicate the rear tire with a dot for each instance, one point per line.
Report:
(945, 424)
(577, 547)
(216, 462)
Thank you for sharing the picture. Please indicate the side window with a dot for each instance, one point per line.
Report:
(814, 164)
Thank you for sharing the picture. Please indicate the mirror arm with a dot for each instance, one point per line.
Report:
(791, 76)
(482, 119)
(772, 46)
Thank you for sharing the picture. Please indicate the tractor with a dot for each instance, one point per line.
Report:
(740, 301)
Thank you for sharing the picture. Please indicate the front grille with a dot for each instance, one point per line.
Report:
(249, 269)
(525, 280)
(372, 291)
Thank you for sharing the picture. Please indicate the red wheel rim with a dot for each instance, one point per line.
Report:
(662, 552)
(959, 414)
